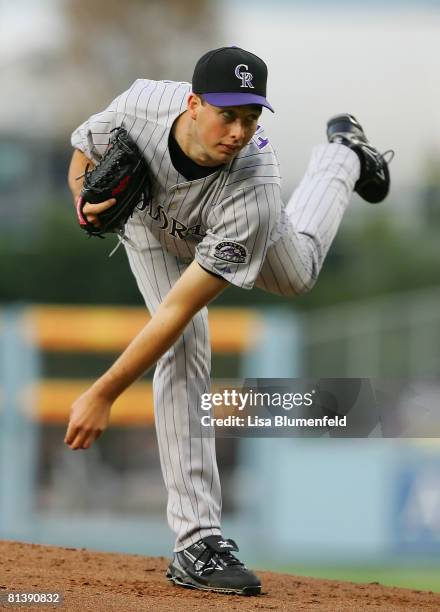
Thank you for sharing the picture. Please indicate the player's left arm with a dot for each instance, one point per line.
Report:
(91, 411)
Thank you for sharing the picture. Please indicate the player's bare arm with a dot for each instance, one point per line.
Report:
(78, 165)
(90, 412)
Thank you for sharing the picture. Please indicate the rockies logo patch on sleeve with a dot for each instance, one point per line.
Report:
(231, 251)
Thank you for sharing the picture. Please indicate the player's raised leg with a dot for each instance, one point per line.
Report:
(313, 214)
(310, 221)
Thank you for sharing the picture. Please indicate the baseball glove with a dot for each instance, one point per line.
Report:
(121, 174)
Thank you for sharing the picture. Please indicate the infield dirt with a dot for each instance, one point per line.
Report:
(98, 581)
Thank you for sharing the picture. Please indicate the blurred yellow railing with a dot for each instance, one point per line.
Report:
(90, 329)
(104, 329)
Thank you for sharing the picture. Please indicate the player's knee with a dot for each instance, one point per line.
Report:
(308, 283)
(299, 287)
(302, 282)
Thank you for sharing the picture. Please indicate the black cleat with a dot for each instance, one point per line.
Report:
(209, 565)
(374, 182)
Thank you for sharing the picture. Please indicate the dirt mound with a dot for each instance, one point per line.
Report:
(105, 582)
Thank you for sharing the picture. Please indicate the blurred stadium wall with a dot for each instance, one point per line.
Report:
(366, 500)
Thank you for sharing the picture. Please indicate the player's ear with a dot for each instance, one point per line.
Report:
(195, 103)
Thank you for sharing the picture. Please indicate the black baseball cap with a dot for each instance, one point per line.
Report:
(231, 76)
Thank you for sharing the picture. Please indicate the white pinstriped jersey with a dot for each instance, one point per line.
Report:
(234, 224)
(227, 220)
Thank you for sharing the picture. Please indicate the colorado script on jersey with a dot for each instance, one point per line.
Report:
(227, 220)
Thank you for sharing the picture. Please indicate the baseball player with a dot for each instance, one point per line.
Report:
(215, 218)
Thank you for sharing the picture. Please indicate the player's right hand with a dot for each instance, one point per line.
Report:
(89, 417)
(91, 211)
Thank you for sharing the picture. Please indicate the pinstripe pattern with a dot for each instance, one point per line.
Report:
(189, 218)
(285, 248)
(308, 224)
(188, 460)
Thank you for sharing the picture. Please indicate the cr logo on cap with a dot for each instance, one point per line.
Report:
(246, 77)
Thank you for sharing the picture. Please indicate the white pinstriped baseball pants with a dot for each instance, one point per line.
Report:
(291, 267)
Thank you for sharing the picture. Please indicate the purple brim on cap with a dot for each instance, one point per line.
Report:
(236, 99)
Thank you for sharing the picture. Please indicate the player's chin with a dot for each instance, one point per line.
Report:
(226, 153)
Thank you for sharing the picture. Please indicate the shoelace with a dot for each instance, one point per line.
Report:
(382, 157)
(227, 558)
(390, 154)
(378, 158)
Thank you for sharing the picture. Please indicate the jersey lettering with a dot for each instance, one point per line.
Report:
(173, 226)
(178, 229)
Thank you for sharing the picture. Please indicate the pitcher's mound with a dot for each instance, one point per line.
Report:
(107, 582)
